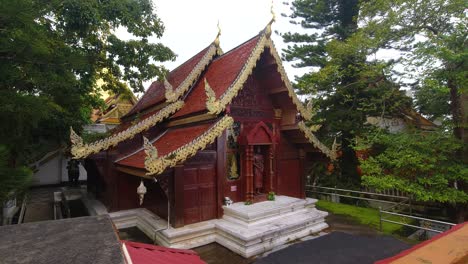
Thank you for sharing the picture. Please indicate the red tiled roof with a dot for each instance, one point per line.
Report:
(155, 93)
(128, 123)
(221, 73)
(168, 142)
(140, 253)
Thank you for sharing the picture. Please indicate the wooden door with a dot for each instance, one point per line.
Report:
(289, 178)
(199, 194)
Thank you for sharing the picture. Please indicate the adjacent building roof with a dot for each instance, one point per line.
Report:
(138, 253)
(75, 241)
(448, 247)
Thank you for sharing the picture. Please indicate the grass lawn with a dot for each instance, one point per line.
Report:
(366, 216)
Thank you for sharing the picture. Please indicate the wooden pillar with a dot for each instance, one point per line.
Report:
(177, 210)
(249, 177)
(221, 172)
(271, 157)
(302, 154)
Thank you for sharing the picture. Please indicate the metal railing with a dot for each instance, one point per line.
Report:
(339, 191)
(405, 201)
(423, 221)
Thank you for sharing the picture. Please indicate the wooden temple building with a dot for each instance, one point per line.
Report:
(220, 127)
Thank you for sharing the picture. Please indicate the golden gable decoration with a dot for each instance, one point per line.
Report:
(80, 150)
(212, 104)
(175, 93)
(216, 106)
(156, 165)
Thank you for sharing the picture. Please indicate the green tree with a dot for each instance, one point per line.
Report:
(433, 37)
(347, 85)
(51, 55)
(424, 165)
(12, 180)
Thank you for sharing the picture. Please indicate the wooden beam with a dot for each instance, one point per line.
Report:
(134, 171)
(277, 90)
(289, 127)
(190, 120)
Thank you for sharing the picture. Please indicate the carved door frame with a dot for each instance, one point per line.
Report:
(260, 135)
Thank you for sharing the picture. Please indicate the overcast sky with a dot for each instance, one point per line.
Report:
(192, 25)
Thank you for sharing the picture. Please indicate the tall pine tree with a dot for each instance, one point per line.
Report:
(345, 85)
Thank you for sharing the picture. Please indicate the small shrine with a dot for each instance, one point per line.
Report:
(222, 128)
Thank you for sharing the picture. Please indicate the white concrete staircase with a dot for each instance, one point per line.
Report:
(250, 230)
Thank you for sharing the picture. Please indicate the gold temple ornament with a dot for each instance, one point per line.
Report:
(80, 150)
(316, 142)
(156, 165)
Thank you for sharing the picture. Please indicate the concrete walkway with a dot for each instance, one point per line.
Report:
(40, 204)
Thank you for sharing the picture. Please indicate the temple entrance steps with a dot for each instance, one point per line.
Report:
(250, 230)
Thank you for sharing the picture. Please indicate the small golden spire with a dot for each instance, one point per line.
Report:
(273, 16)
(217, 42)
(273, 19)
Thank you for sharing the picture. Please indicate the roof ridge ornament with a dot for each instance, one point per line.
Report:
(217, 41)
(212, 104)
(273, 19)
(169, 91)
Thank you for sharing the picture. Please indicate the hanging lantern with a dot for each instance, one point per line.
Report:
(141, 191)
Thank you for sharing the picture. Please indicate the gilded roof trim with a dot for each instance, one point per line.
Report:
(236, 86)
(156, 165)
(174, 94)
(81, 150)
(305, 111)
(308, 132)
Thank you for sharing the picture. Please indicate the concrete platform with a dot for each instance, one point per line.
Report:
(248, 230)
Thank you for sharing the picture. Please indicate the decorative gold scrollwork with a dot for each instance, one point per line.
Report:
(212, 104)
(316, 142)
(157, 165)
(80, 150)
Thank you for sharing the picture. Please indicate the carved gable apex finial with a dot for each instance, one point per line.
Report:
(150, 150)
(169, 91)
(75, 139)
(212, 104)
(273, 19)
(216, 41)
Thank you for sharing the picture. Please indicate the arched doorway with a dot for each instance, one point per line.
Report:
(258, 146)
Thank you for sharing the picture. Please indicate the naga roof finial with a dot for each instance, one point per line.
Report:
(217, 42)
(273, 19)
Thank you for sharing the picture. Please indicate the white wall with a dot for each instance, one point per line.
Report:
(54, 171)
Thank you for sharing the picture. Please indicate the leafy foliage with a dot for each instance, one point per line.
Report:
(347, 85)
(12, 180)
(432, 36)
(52, 53)
(425, 165)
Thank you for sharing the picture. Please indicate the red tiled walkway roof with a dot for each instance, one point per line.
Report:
(140, 253)
(448, 247)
